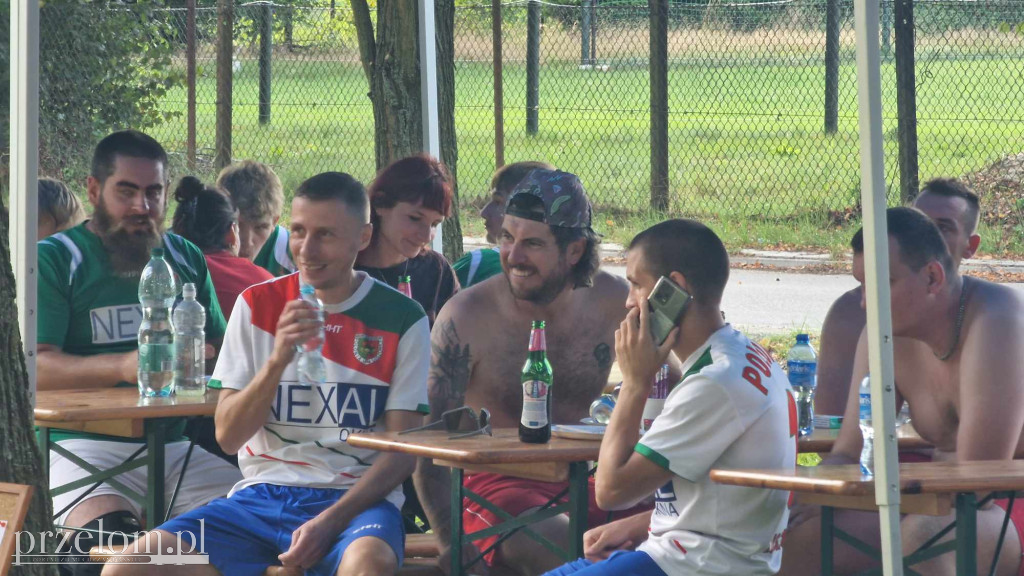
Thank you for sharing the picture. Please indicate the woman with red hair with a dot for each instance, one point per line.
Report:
(408, 200)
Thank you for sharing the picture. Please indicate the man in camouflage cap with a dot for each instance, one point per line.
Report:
(563, 202)
(549, 260)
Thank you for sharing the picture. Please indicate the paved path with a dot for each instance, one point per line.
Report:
(777, 302)
(760, 302)
(770, 302)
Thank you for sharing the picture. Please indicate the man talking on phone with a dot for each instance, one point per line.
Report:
(733, 408)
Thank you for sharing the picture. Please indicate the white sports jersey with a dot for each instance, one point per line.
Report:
(377, 351)
(732, 409)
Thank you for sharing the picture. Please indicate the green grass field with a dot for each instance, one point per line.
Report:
(747, 150)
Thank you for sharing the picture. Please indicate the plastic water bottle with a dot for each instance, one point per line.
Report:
(312, 369)
(157, 291)
(189, 344)
(867, 452)
(802, 364)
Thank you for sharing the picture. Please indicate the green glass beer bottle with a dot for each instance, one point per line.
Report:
(535, 425)
(405, 285)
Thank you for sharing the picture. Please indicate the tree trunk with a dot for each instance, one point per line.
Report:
(444, 27)
(395, 86)
(225, 51)
(19, 454)
(390, 60)
(906, 101)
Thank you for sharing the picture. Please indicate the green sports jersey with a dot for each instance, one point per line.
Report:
(85, 309)
(476, 266)
(276, 256)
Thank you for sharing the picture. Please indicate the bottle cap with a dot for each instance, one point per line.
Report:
(405, 279)
(189, 291)
(802, 339)
(156, 253)
(538, 324)
(306, 289)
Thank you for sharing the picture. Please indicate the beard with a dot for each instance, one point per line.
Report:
(127, 250)
(549, 289)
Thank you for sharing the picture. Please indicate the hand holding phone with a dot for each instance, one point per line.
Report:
(641, 340)
(667, 304)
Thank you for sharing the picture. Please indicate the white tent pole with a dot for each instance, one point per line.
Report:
(876, 266)
(428, 88)
(24, 142)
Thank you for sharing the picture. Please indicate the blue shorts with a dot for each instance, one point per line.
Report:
(621, 563)
(245, 533)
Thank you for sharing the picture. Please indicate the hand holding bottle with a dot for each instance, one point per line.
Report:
(299, 322)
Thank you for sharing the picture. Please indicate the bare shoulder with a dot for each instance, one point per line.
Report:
(609, 289)
(847, 308)
(470, 308)
(989, 298)
(993, 327)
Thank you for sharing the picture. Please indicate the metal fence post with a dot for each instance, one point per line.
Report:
(499, 89)
(225, 49)
(831, 66)
(886, 28)
(659, 103)
(906, 100)
(532, 65)
(593, 31)
(190, 82)
(585, 32)
(266, 53)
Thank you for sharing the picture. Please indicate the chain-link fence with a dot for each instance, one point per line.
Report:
(746, 96)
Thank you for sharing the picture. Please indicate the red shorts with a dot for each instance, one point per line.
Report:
(1017, 518)
(517, 495)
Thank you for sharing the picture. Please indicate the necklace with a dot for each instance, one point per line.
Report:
(959, 323)
(379, 273)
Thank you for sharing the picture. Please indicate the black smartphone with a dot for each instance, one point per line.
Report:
(667, 303)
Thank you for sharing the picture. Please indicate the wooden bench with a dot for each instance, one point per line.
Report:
(421, 551)
(14, 500)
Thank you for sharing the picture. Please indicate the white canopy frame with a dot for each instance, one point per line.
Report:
(428, 90)
(24, 144)
(876, 269)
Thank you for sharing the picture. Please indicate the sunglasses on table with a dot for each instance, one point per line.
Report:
(451, 419)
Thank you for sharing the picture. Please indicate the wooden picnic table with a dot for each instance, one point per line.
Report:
(559, 460)
(118, 412)
(822, 440)
(931, 488)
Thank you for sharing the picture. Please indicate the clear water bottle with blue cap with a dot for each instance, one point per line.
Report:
(802, 366)
(867, 430)
(189, 344)
(312, 369)
(157, 291)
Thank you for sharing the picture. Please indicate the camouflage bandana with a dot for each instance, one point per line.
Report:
(564, 201)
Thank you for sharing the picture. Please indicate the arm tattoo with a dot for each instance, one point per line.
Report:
(603, 355)
(449, 370)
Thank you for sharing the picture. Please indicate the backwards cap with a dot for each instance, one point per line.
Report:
(563, 201)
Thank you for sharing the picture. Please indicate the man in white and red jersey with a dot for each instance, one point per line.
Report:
(308, 499)
(733, 408)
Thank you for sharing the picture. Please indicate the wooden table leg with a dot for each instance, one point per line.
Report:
(966, 534)
(155, 438)
(579, 508)
(456, 527)
(827, 539)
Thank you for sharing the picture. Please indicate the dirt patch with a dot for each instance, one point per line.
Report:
(1000, 187)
